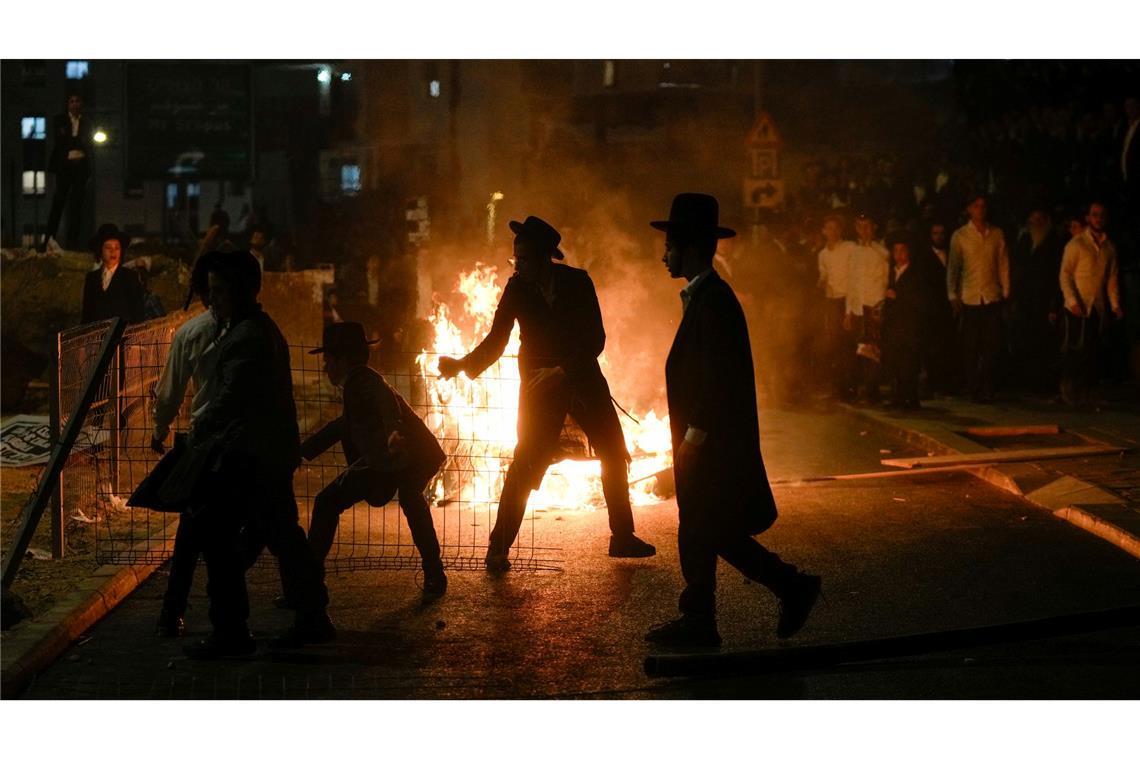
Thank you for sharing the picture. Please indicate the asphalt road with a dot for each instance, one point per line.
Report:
(898, 556)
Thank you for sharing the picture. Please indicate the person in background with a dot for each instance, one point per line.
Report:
(904, 317)
(834, 262)
(1089, 280)
(867, 279)
(1036, 303)
(977, 282)
(112, 290)
(70, 162)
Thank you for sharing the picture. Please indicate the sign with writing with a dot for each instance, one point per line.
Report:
(189, 119)
(26, 440)
(763, 187)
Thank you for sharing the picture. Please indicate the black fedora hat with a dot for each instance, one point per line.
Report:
(108, 232)
(343, 339)
(695, 213)
(540, 233)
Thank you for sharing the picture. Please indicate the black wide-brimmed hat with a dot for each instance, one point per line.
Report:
(343, 339)
(695, 214)
(108, 232)
(540, 233)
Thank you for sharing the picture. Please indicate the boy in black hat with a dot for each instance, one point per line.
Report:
(560, 340)
(904, 320)
(111, 290)
(388, 448)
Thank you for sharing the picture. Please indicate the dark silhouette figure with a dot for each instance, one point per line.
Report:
(561, 337)
(70, 162)
(250, 429)
(112, 290)
(388, 448)
(904, 321)
(722, 488)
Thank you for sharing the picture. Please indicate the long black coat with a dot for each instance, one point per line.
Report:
(905, 315)
(253, 402)
(373, 410)
(62, 142)
(710, 385)
(123, 297)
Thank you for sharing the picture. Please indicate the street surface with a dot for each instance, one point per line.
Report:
(897, 555)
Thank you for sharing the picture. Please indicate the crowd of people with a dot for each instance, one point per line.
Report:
(1008, 273)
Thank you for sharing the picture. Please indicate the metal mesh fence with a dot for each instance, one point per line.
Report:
(463, 497)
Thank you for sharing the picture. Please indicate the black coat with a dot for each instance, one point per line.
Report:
(710, 385)
(123, 297)
(565, 333)
(373, 410)
(252, 405)
(905, 315)
(62, 142)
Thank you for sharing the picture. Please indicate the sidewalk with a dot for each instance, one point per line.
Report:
(1100, 494)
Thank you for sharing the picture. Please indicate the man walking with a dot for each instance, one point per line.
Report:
(977, 281)
(387, 446)
(723, 495)
(561, 336)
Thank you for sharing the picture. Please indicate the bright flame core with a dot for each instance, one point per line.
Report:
(482, 415)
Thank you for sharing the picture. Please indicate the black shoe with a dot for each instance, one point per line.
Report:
(630, 546)
(435, 584)
(282, 603)
(686, 631)
(796, 605)
(497, 563)
(169, 626)
(316, 629)
(217, 647)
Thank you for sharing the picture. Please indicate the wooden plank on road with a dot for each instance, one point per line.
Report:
(999, 457)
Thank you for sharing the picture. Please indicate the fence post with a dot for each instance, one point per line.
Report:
(115, 408)
(58, 544)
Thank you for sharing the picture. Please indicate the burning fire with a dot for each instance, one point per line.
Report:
(480, 416)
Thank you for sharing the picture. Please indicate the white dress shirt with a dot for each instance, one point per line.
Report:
(1089, 274)
(107, 275)
(834, 262)
(193, 353)
(978, 269)
(867, 276)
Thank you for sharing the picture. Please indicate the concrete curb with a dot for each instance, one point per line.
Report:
(1076, 501)
(33, 646)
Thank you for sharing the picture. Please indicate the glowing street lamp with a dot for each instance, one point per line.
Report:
(99, 137)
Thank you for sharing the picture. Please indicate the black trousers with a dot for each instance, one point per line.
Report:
(378, 488)
(981, 342)
(540, 425)
(235, 528)
(903, 359)
(700, 546)
(840, 348)
(70, 191)
(1080, 349)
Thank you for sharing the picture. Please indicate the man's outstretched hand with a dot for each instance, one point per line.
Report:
(449, 367)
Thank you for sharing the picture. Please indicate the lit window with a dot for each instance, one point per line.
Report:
(76, 69)
(35, 183)
(350, 179)
(324, 75)
(608, 74)
(193, 190)
(346, 76)
(33, 127)
(433, 88)
(171, 195)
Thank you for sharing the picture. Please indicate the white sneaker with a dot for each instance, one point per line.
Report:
(53, 248)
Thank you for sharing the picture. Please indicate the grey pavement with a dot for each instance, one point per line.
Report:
(898, 556)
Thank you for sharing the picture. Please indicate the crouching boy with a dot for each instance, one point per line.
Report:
(388, 448)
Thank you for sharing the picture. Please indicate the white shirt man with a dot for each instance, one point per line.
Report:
(1089, 277)
(978, 269)
(834, 263)
(867, 275)
(193, 354)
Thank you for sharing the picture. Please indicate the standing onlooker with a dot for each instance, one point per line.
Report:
(112, 290)
(977, 280)
(1035, 263)
(71, 164)
(939, 350)
(1090, 284)
(903, 322)
(868, 273)
(834, 260)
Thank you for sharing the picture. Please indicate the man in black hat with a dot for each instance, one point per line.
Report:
(723, 495)
(388, 448)
(111, 290)
(556, 307)
(250, 428)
